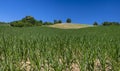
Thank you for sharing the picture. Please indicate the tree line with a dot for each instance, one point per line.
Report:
(3, 23)
(31, 21)
(107, 23)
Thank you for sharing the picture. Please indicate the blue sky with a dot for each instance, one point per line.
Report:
(80, 11)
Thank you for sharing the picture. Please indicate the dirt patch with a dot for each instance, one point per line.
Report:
(27, 66)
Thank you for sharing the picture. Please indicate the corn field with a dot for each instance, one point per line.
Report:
(51, 49)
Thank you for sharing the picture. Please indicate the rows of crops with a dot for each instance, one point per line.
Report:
(50, 49)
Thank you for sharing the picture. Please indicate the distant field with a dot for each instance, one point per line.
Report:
(69, 26)
(52, 49)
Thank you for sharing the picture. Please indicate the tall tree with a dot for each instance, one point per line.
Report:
(95, 23)
(55, 21)
(29, 19)
(68, 20)
(59, 21)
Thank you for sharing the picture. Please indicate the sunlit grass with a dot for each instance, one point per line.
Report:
(43, 48)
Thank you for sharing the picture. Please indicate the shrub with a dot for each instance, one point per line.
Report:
(110, 23)
(47, 23)
(27, 21)
(27, 24)
(68, 20)
(57, 21)
(17, 24)
(95, 23)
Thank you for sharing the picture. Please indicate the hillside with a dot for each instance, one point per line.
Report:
(69, 26)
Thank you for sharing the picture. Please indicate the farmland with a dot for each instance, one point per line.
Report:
(69, 26)
(52, 49)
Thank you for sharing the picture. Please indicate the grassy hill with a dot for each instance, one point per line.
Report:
(69, 26)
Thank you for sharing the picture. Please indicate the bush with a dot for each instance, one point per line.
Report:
(95, 23)
(68, 20)
(38, 24)
(27, 21)
(47, 23)
(17, 24)
(110, 23)
(27, 24)
(57, 21)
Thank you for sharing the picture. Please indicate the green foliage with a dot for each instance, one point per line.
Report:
(110, 23)
(40, 21)
(3, 23)
(95, 23)
(17, 24)
(57, 21)
(50, 49)
(47, 23)
(27, 21)
(68, 20)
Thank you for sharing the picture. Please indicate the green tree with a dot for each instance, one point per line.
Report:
(41, 21)
(47, 23)
(59, 21)
(55, 21)
(95, 23)
(110, 23)
(68, 20)
(17, 24)
(29, 19)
